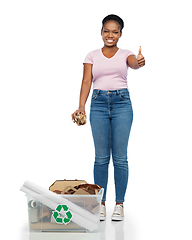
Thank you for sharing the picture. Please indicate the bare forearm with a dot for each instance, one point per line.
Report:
(85, 89)
(133, 62)
(136, 62)
(84, 93)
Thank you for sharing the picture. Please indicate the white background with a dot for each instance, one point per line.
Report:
(42, 47)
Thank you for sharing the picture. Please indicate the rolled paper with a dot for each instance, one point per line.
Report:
(33, 204)
(78, 219)
(33, 211)
(59, 199)
(33, 215)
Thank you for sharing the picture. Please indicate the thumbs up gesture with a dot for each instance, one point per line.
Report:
(140, 58)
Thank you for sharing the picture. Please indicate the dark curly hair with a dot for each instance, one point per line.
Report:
(114, 18)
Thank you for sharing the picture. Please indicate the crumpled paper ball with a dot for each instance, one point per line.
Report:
(80, 119)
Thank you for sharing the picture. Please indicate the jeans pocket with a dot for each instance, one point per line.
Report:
(94, 96)
(124, 96)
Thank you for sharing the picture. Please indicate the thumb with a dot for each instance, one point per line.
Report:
(139, 52)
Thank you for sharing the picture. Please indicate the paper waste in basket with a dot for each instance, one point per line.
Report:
(49, 211)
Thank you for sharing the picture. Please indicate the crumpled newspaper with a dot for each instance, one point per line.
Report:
(80, 119)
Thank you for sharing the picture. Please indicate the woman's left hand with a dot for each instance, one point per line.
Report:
(140, 58)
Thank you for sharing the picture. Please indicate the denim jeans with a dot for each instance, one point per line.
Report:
(111, 117)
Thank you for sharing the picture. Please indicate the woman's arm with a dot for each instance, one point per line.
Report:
(133, 62)
(86, 85)
(136, 62)
(85, 89)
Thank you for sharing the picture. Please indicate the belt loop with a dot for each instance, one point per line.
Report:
(98, 91)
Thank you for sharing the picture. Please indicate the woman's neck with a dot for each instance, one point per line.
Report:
(110, 49)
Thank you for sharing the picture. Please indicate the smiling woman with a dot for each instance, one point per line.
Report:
(110, 35)
(111, 32)
(111, 112)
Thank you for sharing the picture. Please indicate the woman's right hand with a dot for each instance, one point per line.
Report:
(80, 110)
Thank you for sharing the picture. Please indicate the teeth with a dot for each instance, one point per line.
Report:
(110, 41)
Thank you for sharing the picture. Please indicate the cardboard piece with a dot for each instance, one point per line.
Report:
(45, 213)
(77, 187)
(81, 192)
(61, 186)
(92, 189)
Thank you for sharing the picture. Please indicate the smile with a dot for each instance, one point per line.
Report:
(110, 40)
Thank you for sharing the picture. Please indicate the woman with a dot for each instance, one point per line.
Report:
(111, 109)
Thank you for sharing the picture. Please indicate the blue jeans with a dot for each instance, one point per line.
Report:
(111, 117)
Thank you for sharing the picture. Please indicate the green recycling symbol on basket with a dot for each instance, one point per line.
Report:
(60, 220)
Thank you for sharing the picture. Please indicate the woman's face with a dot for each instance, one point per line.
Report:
(111, 33)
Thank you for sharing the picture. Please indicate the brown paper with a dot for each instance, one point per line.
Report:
(61, 186)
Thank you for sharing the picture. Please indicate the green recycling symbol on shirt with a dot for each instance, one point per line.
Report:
(60, 220)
